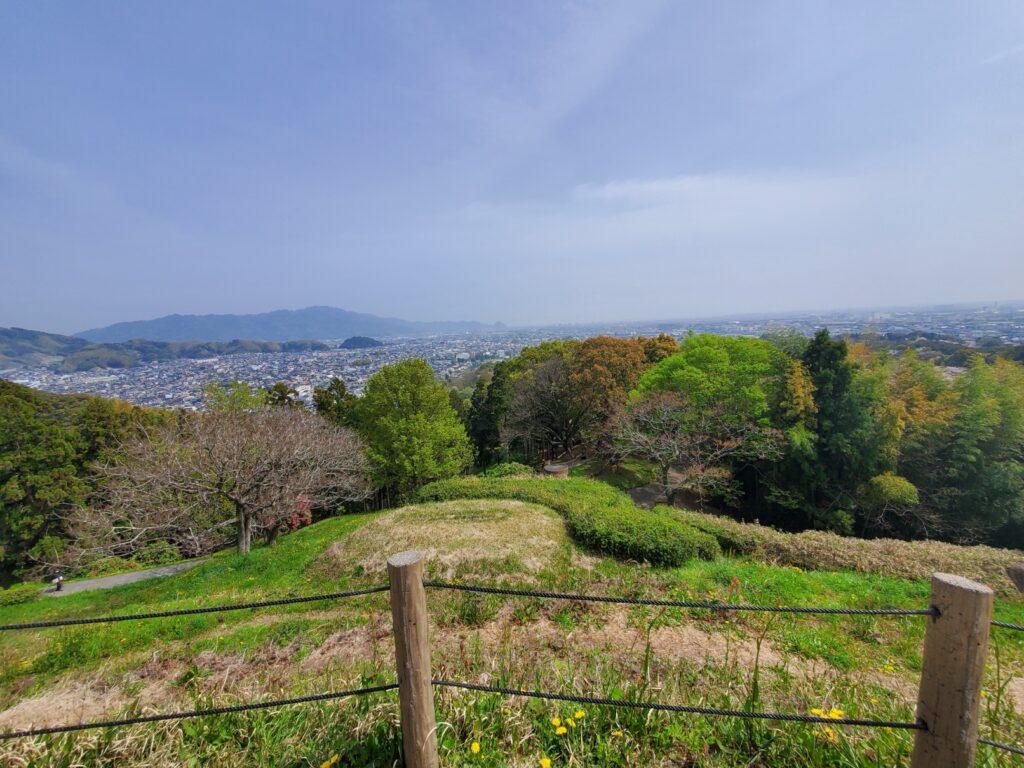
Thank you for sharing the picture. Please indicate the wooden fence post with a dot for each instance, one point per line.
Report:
(412, 657)
(955, 645)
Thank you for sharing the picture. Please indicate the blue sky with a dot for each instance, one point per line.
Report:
(519, 161)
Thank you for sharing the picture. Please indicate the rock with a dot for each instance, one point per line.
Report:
(1016, 574)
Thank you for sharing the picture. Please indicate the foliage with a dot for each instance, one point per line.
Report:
(234, 396)
(204, 478)
(334, 402)
(19, 593)
(281, 395)
(412, 434)
(734, 374)
(603, 370)
(508, 469)
(657, 348)
(555, 396)
(47, 445)
(598, 517)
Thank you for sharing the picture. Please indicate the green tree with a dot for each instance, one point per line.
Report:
(412, 434)
(334, 402)
(235, 396)
(281, 395)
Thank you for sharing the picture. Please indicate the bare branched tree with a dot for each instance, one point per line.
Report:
(689, 444)
(203, 479)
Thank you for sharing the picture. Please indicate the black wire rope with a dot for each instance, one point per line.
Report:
(193, 611)
(198, 712)
(1008, 625)
(682, 603)
(713, 711)
(999, 745)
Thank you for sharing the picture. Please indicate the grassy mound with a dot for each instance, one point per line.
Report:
(465, 536)
(598, 517)
(818, 550)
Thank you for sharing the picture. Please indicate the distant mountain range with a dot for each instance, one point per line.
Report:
(23, 348)
(281, 325)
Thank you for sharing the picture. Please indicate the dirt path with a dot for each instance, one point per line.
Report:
(106, 582)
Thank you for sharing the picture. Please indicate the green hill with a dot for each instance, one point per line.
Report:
(67, 354)
(866, 666)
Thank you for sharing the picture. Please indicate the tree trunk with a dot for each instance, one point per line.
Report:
(244, 530)
(272, 532)
(669, 491)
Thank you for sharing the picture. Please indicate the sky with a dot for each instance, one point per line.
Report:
(524, 162)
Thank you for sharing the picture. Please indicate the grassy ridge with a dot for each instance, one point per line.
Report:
(598, 517)
(831, 552)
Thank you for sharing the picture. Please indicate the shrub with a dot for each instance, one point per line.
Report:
(507, 469)
(597, 516)
(19, 593)
(157, 553)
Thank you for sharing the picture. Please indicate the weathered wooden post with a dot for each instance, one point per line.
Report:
(948, 701)
(412, 657)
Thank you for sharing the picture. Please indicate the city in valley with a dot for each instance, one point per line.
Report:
(180, 383)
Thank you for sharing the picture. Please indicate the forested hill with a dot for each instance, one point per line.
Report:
(281, 325)
(20, 347)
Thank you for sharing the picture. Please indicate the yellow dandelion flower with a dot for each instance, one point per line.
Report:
(570, 722)
(556, 721)
(334, 759)
(579, 714)
(475, 747)
(836, 714)
(561, 730)
(816, 711)
(827, 733)
(545, 762)
(617, 733)
(984, 694)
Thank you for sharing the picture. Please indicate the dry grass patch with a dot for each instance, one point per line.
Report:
(818, 550)
(455, 536)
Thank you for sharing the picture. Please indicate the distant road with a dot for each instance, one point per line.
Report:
(106, 582)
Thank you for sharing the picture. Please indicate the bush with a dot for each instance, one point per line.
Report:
(19, 593)
(733, 537)
(598, 516)
(507, 469)
(157, 553)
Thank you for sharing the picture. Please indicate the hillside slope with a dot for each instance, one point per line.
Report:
(865, 666)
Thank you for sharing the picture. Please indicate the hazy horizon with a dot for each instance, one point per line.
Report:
(535, 164)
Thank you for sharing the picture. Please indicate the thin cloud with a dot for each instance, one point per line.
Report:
(1009, 52)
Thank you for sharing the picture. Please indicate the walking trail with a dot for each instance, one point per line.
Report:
(105, 582)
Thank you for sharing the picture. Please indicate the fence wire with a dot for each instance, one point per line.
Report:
(682, 603)
(1008, 625)
(711, 711)
(193, 611)
(199, 712)
(1000, 745)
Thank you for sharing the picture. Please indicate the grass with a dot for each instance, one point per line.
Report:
(829, 551)
(866, 666)
(599, 517)
(631, 473)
